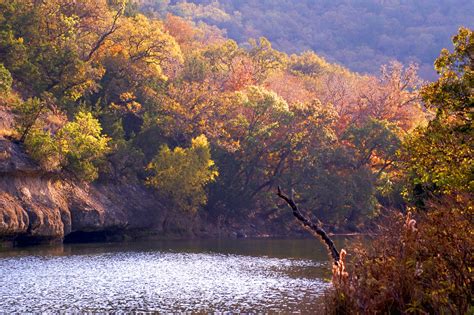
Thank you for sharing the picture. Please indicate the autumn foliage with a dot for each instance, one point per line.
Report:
(157, 80)
(112, 90)
(422, 262)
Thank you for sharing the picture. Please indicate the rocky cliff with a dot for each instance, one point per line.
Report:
(38, 207)
(43, 207)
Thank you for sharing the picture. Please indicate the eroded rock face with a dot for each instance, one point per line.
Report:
(42, 207)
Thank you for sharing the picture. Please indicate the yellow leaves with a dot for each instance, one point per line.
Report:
(145, 39)
(181, 174)
(261, 99)
(127, 103)
(266, 59)
(310, 64)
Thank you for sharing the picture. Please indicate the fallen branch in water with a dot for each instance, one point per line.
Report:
(312, 227)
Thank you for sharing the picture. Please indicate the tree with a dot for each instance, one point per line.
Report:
(42, 44)
(265, 58)
(83, 145)
(78, 146)
(439, 157)
(374, 144)
(256, 126)
(27, 114)
(137, 59)
(181, 174)
(308, 63)
(44, 148)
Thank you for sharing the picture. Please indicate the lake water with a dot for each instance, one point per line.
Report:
(166, 276)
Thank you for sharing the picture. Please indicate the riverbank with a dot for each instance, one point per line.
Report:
(39, 207)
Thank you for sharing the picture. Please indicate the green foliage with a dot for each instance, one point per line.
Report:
(270, 118)
(439, 156)
(425, 265)
(83, 145)
(78, 146)
(5, 80)
(440, 161)
(309, 64)
(344, 181)
(210, 12)
(39, 45)
(451, 95)
(182, 174)
(45, 149)
(374, 140)
(266, 58)
(27, 114)
(125, 158)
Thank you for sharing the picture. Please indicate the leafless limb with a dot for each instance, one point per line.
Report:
(312, 227)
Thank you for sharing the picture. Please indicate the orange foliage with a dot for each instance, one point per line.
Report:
(290, 87)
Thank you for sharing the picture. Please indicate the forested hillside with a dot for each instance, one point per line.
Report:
(104, 92)
(122, 115)
(362, 35)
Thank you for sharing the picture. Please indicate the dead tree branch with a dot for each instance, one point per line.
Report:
(312, 227)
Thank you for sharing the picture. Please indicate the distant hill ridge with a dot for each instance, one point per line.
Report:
(361, 35)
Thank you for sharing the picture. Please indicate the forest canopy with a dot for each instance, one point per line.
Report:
(362, 35)
(108, 91)
(152, 97)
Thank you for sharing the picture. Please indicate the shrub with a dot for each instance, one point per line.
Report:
(27, 114)
(83, 145)
(181, 174)
(44, 148)
(78, 146)
(422, 266)
(5, 80)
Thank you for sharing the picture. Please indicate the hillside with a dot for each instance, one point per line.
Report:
(159, 119)
(361, 35)
(208, 127)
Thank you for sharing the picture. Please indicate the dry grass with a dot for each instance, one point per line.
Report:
(422, 267)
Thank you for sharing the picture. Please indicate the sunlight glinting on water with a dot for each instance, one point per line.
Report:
(158, 281)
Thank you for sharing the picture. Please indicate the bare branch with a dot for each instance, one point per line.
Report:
(106, 34)
(311, 226)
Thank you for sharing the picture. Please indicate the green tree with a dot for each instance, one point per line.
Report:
(82, 144)
(39, 45)
(27, 114)
(44, 148)
(78, 146)
(439, 157)
(265, 58)
(182, 174)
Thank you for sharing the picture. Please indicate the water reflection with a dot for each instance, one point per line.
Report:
(173, 276)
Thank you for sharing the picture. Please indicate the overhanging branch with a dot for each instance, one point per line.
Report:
(311, 226)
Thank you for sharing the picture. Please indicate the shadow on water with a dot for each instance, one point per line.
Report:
(277, 248)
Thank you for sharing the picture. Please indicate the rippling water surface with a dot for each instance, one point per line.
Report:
(194, 276)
